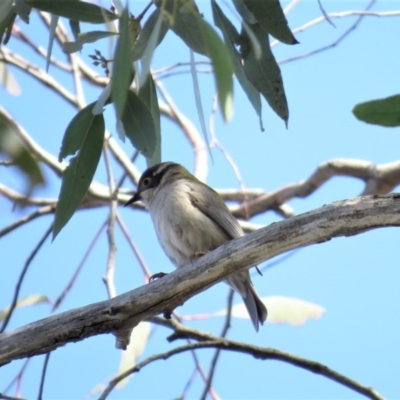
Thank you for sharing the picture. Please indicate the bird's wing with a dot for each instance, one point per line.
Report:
(212, 205)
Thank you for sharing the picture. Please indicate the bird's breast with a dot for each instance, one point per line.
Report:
(182, 229)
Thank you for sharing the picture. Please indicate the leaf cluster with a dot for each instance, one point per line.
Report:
(245, 54)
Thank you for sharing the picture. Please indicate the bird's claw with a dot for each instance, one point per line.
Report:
(156, 276)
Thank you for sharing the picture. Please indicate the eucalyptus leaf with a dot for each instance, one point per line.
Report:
(122, 72)
(244, 12)
(22, 10)
(385, 112)
(52, 33)
(148, 95)
(223, 69)
(30, 300)
(152, 43)
(78, 175)
(199, 104)
(75, 10)
(145, 34)
(85, 37)
(75, 28)
(270, 16)
(183, 17)
(74, 135)
(139, 337)
(264, 73)
(231, 37)
(8, 81)
(12, 147)
(7, 18)
(139, 125)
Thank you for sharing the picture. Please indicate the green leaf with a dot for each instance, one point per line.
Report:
(145, 34)
(223, 69)
(183, 17)
(139, 125)
(75, 28)
(270, 16)
(138, 341)
(148, 95)
(231, 37)
(8, 81)
(7, 18)
(88, 133)
(74, 135)
(281, 310)
(52, 33)
(30, 300)
(75, 10)
(22, 10)
(86, 37)
(264, 72)
(122, 73)
(152, 43)
(12, 147)
(385, 112)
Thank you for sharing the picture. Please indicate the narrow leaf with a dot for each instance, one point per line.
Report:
(270, 16)
(264, 73)
(75, 28)
(23, 10)
(86, 37)
(183, 17)
(52, 34)
(148, 95)
(149, 50)
(244, 12)
(7, 18)
(8, 81)
(76, 131)
(145, 34)
(12, 147)
(122, 72)
(385, 112)
(30, 300)
(78, 175)
(139, 125)
(199, 104)
(75, 10)
(281, 310)
(139, 338)
(223, 69)
(231, 37)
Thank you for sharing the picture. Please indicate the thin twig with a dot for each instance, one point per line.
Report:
(200, 149)
(18, 377)
(218, 351)
(134, 248)
(71, 282)
(334, 43)
(108, 279)
(225, 153)
(262, 353)
(21, 277)
(43, 376)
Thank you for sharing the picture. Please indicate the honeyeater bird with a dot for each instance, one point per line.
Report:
(191, 219)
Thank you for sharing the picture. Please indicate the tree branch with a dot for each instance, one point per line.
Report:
(343, 218)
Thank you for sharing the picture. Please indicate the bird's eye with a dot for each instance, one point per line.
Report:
(146, 181)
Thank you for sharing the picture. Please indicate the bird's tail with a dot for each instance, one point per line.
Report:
(241, 283)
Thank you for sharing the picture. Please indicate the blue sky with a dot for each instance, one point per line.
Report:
(355, 279)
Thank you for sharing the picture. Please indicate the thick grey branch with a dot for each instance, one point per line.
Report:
(343, 218)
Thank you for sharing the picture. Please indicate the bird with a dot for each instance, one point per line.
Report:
(191, 219)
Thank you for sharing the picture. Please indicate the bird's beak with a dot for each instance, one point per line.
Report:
(136, 197)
